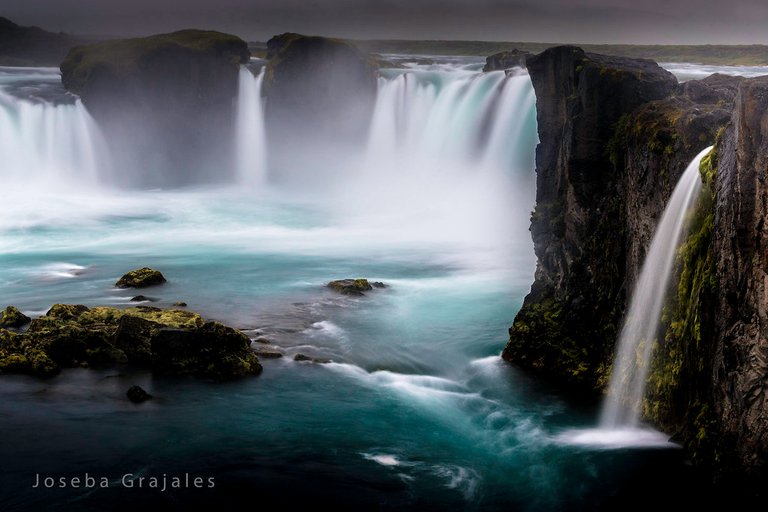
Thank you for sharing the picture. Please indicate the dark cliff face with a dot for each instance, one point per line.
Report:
(615, 137)
(569, 321)
(164, 102)
(503, 61)
(320, 94)
(740, 366)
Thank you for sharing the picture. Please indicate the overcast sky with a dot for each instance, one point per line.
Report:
(577, 21)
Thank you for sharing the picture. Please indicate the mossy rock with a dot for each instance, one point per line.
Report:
(173, 341)
(141, 278)
(12, 317)
(126, 58)
(351, 286)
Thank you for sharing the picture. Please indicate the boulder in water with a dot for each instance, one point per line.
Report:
(352, 286)
(137, 395)
(309, 359)
(141, 278)
(174, 342)
(12, 317)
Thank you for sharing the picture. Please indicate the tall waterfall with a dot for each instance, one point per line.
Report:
(50, 144)
(250, 138)
(622, 407)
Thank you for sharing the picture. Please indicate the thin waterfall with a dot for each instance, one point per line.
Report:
(250, 140)
(622, 406)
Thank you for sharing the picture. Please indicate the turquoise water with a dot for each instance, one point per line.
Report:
(416, 411)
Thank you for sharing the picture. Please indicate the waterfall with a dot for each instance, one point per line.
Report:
(250, 139)
(465, 117)
(49, 144)
(622, 406)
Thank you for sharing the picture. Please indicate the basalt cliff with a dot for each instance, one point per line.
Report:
(615, 136)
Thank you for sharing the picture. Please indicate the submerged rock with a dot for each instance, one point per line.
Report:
(180, 304)
(137, 395)
(142, 298)
(141, 278)
(267, 354)
(310, 359)
(352, 286)
(12, 317)
(173, 342)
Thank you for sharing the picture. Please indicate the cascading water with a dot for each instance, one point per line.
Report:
(46, 143)
(250, 139)
(622, 407)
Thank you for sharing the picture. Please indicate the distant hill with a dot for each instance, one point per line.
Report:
(723, 55)
(33, 46)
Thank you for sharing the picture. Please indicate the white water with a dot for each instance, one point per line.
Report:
(250, 137)
(48, 145)
(622, 407)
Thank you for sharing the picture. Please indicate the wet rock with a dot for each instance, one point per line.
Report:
(137, 395)
(214, 351)
(142, 298)
(172, 341)
(506, 60)
(179, 304)
(350, 286)
(265, 341)
(378, 284)
(310, 359)
(267, 354)
(12, 317)
(141, 278)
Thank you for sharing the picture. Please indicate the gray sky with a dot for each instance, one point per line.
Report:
(577, 21)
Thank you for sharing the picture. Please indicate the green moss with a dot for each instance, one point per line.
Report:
(141, 278)
(12, 317)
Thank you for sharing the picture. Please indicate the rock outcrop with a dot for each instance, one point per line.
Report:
(503, 61)
(13, 318)
(141, 278)
(569, 321)
(171, 342)
(164, 102)
(319, 92)
(616, 135)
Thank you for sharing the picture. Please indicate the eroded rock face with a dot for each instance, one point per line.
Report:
(568, 323)
(506, 60)
(164, 102)
(740, 366)
(173, 342)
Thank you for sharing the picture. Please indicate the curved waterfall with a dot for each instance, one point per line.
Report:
(622, 407)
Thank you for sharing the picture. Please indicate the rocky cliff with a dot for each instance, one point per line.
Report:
(165, 101)
(33, 46)
(615, 136)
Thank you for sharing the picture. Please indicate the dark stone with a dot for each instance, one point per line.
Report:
(164, 103)
(180, 304)
(173, 341)
(12, 317)
(267, 354)
(141, 278)
(265, 341)
(569, 321)
(213, 351)
(378, 284)
(309, 359)
(320, 92)
(350, 286)
(137, 395)
(142, 298)
(506, 60)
